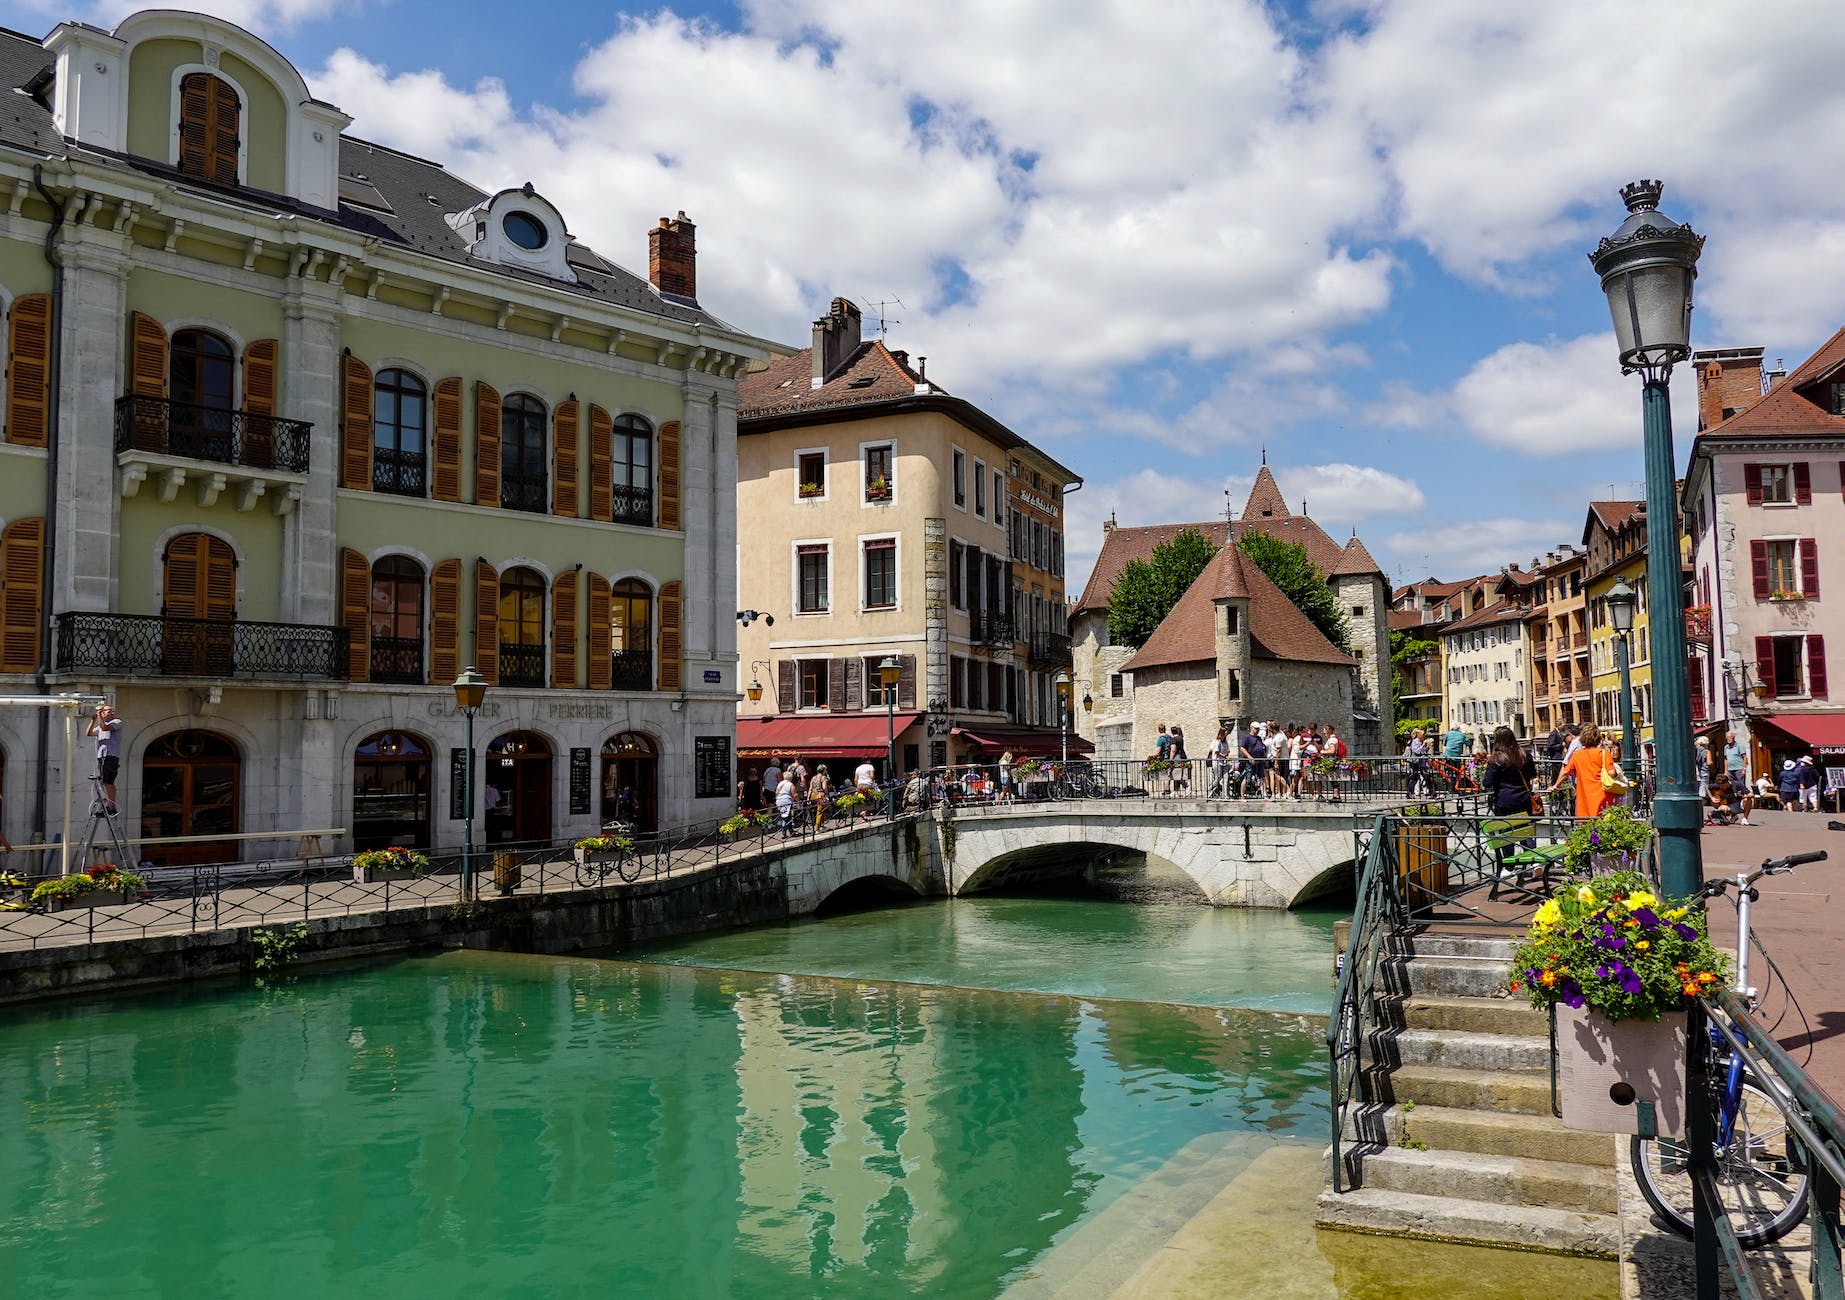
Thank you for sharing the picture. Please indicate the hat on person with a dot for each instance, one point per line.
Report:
(1806, 758)
(1788, 765)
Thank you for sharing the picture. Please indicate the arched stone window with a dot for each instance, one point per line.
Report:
(210, 117)
(191, 784)
(631, 635)
(400, 434)
(523, 454)
(397, 620)
(517, 789)
(390, 791)
(631, 780)
(202, 382)
(522, 628)
(632, 466)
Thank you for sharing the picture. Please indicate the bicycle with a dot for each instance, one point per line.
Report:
(593, 869)
(1761, 1182)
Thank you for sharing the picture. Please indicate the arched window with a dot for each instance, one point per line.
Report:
(400, 425)
(202, 370)
(397, 620)
(631, 635)
(522, 454)
(631, 780)
(522, 628)
(390, 791)
(633, 471)
(209, 114)
(190, 785)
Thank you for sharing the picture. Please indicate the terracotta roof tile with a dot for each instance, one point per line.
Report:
(1120, 546)
(1784, 410)
(1613, 514)
(1277, 629)
(1265, 500)
(1503, 612)
(1188, 633)
(1400, 620)
(872, 375)
(1356, 561)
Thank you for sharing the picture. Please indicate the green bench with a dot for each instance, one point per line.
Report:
(1515, 862)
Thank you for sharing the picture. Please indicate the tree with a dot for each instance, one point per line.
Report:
(1301, 581)
(1145, 591)
(1405, 646)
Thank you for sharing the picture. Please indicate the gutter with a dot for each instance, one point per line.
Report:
(48, 556)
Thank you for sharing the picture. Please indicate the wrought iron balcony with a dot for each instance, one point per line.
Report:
(397, 659)
(521, 665)
(150, 645)
(401, 473)
(984, 627)
(634, 505)
(156, 424)
(531, 494)
(633, 670)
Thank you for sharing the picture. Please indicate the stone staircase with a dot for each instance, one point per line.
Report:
(1458, 1142)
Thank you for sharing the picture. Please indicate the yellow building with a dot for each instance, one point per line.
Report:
(1614, 536)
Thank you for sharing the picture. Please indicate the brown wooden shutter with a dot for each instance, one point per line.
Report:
(148, 368)
(601, 667)
(487, 621)
(218, 582)
(564, 632)
(223, 141)
(906, 682)
(855, 684)
(669, 515)
(601, 464)
(446, 442)
(445, 622)
(1808, 550)
(1765, 664)
(672, 649)
(355, 424)
(179, 591)
(1816, 667)
(486, 446)
(1752, 483)
(28, 370)
(259, 363)
(1803, 483)
(785, 673)
(565, 425)
(195, 103)
(22, 604)
(356, 612)
(836, 685)
(1758, 568)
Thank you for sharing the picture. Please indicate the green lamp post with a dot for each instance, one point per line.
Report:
(1620, 601)
(470, 691)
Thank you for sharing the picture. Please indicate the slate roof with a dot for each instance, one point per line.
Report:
(1277, 629)
(1785, 411)
(407, 183)
(872, 374)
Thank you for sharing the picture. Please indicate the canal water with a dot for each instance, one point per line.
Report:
(1012, 1097)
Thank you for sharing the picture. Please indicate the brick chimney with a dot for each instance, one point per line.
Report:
(672, 257)
(836, 338)
(1729, 380)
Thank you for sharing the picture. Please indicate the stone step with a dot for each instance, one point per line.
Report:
(1497, 1179)
(1507, 1015)
(1447, 1218)
(1470, 977)
(1503, 1053)
(1485, 1132)
(1429, 943)
(1435, 1085)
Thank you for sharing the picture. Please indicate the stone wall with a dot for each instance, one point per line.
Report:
(1287, 691)
(1185, 694)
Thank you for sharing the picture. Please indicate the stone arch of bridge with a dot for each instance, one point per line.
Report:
(867, 890)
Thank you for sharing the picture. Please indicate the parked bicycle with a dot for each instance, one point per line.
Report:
(595, 867)
(1761, 1180)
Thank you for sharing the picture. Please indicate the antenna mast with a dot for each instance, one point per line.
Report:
(880, 307)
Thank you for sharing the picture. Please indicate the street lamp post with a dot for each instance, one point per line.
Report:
(1062, 681)
(889, 671)
(1620, 601)
(470, 690)
(1647, 267)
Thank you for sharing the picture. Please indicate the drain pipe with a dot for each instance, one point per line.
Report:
(55, 386)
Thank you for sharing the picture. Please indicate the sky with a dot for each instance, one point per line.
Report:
(1161, 238)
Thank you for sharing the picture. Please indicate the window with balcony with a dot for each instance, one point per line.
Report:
(524, 455)
(202, 371)
(397, 620)
(633, 471)
(631, 635)
(522, 628)
(811, 578)
(881, 573)
(400, 429)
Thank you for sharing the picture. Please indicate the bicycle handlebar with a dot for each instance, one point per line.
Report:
(1771, 867)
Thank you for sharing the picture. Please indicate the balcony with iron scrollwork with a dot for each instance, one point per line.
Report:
(528, 494)
(400, 473)
(984, 627)
(397, 659)
(217, 450)
(521, 665)
(633, 505)
(632, 670)
(151, 645)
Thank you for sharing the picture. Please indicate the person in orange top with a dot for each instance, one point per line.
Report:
(1586, 765)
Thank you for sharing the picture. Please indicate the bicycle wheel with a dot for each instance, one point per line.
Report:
(589, 874)
(1758, 1182)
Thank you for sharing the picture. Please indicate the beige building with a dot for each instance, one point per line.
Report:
(1562, 681)
(879, 516)
(1486, 657)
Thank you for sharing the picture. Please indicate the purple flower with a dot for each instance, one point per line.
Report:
(1647, 917)
(1684, 931)
(1627, 978)
(1594, 838)
(1571, 993)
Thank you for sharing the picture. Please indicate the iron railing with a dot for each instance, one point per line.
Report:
(401, 473)
(1354, 1019)
(633, 505)
(397, 659)
(529, 494)
(159, 424)
(985, 627)
(522, 665)
(632, 670)
(149, 645)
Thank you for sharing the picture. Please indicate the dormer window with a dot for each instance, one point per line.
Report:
(209, 117)
(519, 228)
(525, 230)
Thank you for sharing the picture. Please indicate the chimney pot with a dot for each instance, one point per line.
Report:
(672, 257)
(836, 338)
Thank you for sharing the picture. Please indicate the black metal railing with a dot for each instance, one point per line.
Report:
(397, 659)
(634, 506)
(149, 645)
(984, 627)
(529, 494)
(632, 670)
(521, 665)
(401, 473)
(157, 424)
(1354, 1018)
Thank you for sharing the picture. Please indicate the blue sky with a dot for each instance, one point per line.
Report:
(1159, 236)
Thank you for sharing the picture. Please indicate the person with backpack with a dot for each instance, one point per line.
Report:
(1590, 768)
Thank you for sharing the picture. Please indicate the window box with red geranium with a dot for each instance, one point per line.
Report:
(395, 863)
(100, 886)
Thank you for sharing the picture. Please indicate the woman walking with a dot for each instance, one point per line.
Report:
(1419, 754)
(1586, 767)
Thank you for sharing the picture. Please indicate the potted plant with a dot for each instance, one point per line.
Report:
(1613, 841)
(394, 863)
(878, 489)
(743, 823)
(603, 848)
(810, 489)
(1781, 593)
(100, 886)
(1617, 965)
(846, 804)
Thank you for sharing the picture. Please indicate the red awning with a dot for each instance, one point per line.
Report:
(1823, 731)
(1036, 741)
(854, 735)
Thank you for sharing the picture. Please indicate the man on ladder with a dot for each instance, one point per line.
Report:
(106, 726)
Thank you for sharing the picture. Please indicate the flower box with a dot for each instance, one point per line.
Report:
(1607, 1068)
(877, 492)
(587, 856)
(374, 875)
(89, 898)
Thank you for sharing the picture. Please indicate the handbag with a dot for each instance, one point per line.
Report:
(1537, 800)
(1614, 781)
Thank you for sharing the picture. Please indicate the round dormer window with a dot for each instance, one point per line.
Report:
(525, 230)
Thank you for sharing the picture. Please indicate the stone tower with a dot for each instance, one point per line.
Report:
(1231, 638)
(1364, 596)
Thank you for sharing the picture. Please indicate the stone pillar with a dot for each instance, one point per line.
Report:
(92, 339)
(708, 487)
(310, 384)
(935, 617)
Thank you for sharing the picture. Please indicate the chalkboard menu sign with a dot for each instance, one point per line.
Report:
(457, 784)
(579, 782)
(711, 757)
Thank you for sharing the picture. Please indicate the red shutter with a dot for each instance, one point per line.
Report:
(1765, 664)
(564, 631)
(355, 611)
(355, 424)
(1758, 565)
(1696, 680)
(446, 444)
(1752, 483)
(445, 622)
(22, 604)
(1803, 484)
(487, 621)
(486, 446)
(1816, 667)
(28, 370)
(1809, 567)
(600, 665)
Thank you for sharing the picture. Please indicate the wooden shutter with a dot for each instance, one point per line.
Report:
(1758, 567)
(672, 649)
(28, 370)
(565, 422)
(564, 632)
(486, 446)
(855, 684)
(601, 464)
(355, 424)
(445, 622)
(259, 363)
(148, 368)
(22, 604)
(1765, 664)
(836, 685)
(179, 590)
(601, 667)
(445, 439)
(195, 102)
(786, 671)
(1816, 667)
(218, 581)
(1803, 483)
(487, 621)
(669, 515)
(906, 682)
(356, 612)
(1752, 483)
(223, 141)
(1696, 679)
(1809, 567)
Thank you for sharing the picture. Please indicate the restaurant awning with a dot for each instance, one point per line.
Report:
(1825, 732)
(855, 735)
(1041, 742)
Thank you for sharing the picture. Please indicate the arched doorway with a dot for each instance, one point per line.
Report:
(191, 785)
(517, 791)
(390, 792)
(631, 780)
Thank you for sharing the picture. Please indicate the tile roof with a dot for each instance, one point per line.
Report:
(1265, 500)
(1785, 411)
(1400, 620)
(1613, 514)
(1356, 561)
(873, 374)
(1503, 612)
(1277, 628)
(1120, 546)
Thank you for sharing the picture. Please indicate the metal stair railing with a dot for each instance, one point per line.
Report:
(1375, 916)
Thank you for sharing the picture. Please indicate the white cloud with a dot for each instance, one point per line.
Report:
(255, 15)
(1461, 548)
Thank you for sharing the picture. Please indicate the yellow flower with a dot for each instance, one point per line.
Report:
(1584, 894)
(1548, 915)
(1642, 944)
(1640, 898)
(1677, 914)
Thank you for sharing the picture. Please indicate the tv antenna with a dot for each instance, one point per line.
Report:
(881, 308)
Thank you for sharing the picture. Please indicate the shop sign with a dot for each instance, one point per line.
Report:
(579, 781)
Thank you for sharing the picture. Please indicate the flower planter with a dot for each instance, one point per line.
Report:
(607, 858)
(1606, 1069)
(375, 875)
(89, 898)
